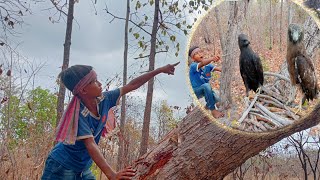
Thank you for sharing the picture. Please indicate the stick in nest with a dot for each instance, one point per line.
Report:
(244, 115)
(281, 120)
(266, 119)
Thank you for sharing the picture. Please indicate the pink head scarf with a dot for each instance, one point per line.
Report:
(68, 125)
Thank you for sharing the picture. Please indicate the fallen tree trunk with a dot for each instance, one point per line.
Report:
(201, 149)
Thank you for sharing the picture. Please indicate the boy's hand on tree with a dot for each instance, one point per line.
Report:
(126, 173)
(216, 59)
(169, 69)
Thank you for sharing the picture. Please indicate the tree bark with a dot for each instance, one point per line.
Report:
(121, 155)
(281, 30)
(65, 64)
(229, 48)
(290, 12)
(147, 111)
(201, 149)
(270, 26)
(206, 33)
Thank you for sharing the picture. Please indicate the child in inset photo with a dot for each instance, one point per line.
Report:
(200, 75)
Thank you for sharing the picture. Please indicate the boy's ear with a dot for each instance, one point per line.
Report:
(83, 91)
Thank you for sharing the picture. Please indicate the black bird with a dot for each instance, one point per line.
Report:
(300, 67)
(250, 65)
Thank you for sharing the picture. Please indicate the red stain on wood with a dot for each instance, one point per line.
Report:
(161, 159)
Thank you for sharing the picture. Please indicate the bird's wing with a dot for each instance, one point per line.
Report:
(306, 76)
(259, 69)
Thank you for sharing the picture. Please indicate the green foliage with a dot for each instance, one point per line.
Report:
(165, 118)
(172, 20)
(37, 113)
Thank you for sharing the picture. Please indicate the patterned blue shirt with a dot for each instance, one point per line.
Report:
(76, 157)
(200, 76)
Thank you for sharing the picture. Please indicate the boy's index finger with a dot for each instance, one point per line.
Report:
(175, 63)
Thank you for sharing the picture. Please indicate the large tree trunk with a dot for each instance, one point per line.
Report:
(147, 111)
(201, 149)
(65, 64)
(229, 47)
(206, 33)
(121, 155)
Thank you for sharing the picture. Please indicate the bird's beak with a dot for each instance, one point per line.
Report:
(246, 42)
(295, 36)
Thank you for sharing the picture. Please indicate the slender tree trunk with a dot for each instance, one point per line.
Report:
(270, 26)
(66, 55)
(9, 129)
(121, 155)
(290, 12)
(201, 149)
(147, 111)
(260, 27)
(281, 30)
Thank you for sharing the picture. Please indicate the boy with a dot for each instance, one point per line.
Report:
(82, 124)
(200, 74)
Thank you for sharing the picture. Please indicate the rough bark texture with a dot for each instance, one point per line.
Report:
(270, 26)
(229, 49)
(121, 158)
(201, 149)
(311, 37)
(281, 30)
(66, 55)
(147, 110)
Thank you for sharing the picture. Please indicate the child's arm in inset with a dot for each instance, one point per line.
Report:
(98, 158)
(139, 81)
(205, 62)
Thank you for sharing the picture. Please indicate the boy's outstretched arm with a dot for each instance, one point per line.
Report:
(205, 62)
(140, 80)
(98, 158)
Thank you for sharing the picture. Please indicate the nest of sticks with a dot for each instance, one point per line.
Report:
(271, 108)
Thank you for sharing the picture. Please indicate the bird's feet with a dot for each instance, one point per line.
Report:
(258, 91)
(246, 101)
(299, 109)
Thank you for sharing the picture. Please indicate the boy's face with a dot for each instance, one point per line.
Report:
(198, 56)
(93, 89)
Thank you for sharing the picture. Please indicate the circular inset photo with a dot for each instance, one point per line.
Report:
(254, 65)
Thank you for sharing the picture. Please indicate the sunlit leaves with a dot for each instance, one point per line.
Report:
(173, 38)
(136, 35)
(138, 5)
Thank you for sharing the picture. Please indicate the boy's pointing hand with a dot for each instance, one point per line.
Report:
(169, 69)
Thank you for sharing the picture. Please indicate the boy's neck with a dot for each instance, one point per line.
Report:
(91, 104)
